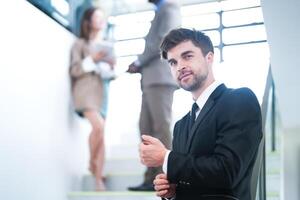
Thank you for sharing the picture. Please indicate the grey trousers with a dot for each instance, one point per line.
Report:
(155, 119)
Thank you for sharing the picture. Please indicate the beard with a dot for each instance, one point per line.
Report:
(197, 83)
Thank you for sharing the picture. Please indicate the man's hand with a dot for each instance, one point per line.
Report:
(132, 69)
(163, 188)
(152, 151)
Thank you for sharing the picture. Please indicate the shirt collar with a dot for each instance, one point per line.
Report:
(206, 93)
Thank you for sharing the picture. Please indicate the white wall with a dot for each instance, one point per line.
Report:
(43, 150)
(283, 31)
(291, 164)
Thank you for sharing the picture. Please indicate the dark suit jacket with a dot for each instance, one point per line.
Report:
(216, 160)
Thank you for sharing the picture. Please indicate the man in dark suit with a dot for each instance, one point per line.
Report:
(214, 145)
(157, 83)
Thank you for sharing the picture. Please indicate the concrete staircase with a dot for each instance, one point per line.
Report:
(112, 196)
(116, 183)
(273, 167)
(123, 172)
(119, 173)
(273, 178)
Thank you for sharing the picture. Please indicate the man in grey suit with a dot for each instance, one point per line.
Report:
(157, 83)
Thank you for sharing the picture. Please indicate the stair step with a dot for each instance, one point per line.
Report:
(112, 196)
(273, 183)
(113, 182)
(120, 182)
(123, 165)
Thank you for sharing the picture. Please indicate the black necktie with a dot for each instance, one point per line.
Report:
(193, 114)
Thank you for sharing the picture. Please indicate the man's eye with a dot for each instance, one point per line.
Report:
(188, 56)
(172, 63)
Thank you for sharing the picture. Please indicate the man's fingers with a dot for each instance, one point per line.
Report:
(160, 182)
(160, 179)
(161, 176)
(148, 139)
(162, 187)
(161, 193)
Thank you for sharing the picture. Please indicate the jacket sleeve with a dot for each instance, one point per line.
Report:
(239, 131)
(76, 58)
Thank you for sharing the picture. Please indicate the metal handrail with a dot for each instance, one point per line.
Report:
(258, 181)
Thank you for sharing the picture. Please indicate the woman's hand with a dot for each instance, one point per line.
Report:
(98, 56)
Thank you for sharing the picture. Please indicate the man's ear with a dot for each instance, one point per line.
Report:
(210, 57)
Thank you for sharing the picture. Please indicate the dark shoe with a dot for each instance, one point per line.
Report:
(142, 187)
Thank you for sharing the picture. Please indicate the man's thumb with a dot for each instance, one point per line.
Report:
(148, 139)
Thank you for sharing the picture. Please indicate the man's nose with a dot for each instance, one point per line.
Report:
(181, 65)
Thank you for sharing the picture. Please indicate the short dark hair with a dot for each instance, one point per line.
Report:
(176, 36)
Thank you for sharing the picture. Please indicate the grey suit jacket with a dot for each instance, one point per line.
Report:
(154, 69)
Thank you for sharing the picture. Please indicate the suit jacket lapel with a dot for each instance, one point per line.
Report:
(204, 111)
(184, 132)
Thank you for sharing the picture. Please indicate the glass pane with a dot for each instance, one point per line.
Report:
(237, 4)
(259, 51)
(201, 22)
(245, 66)
(59, 18)
(246, 16)
(244, 34)
(201, 8)
(123, 63)
(139, 17)
(132, 30)
(214, 36)
(217, 55)
(61, 6)
(130, 47)
(61, 11)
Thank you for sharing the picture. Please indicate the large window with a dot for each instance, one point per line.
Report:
(66, 12)
(235, 27)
